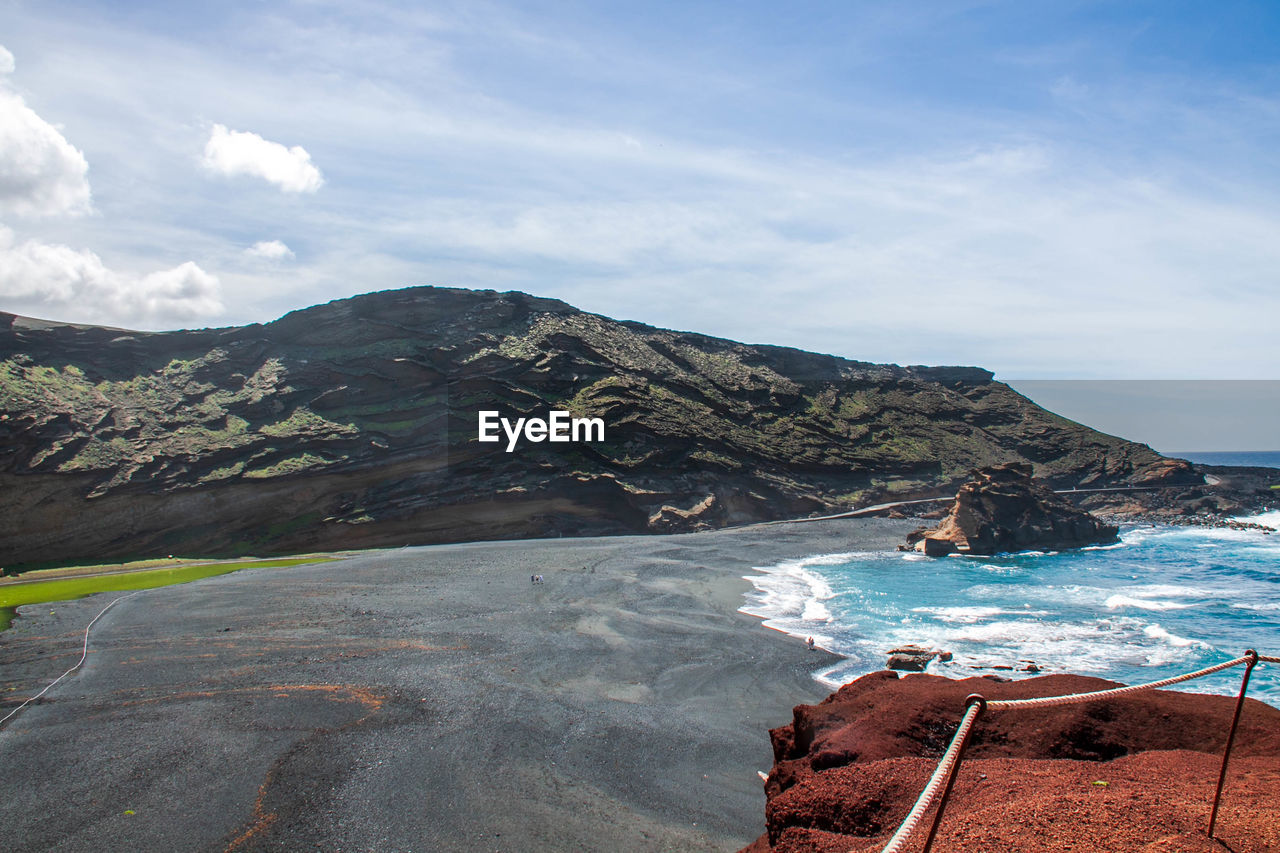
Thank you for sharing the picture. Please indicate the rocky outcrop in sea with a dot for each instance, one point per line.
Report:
(1002, 508)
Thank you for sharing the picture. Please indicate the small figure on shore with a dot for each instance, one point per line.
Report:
(533, 578)
(809, 643)
(537, 578)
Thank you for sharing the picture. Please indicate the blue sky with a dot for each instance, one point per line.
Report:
(1082, 190)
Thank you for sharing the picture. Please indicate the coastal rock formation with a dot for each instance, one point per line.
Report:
(354, 424)
(914, 658)
(1003, 509)
(1227, 491)
(1124, 775)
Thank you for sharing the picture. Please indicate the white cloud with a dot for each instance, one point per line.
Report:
(39, 271)
(41, 278)
(41, 174)
(1093, 235)
(6, 60)
(270, 250)
(235, 152)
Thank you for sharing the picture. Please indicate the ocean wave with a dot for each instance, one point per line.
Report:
(1020, 631)
(1267, 519)
(815, 611)
(1084, 646)
(834, 559)
(1115, 602)
(973, 613)
(1137, 535)
(1265, 607)
(1134, 615)
(997, 569)
(1213, 536)
(789, 597)
(1169, 590)
(1157, 632)
(1054, 594)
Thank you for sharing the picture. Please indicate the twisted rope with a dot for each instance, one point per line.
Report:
(1073, 698)
(939, 778)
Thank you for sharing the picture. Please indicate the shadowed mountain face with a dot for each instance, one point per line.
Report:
(354, 424)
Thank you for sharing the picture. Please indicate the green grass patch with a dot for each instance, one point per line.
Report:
(65, 589)
(292, 465)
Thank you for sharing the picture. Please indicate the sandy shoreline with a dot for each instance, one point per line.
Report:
(420, 699)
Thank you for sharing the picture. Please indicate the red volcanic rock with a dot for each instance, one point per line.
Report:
(1003, 509)
(1135, 773)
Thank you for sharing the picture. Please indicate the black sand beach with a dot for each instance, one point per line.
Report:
(418, 699)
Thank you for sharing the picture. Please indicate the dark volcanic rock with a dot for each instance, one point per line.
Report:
(1118, 775)
(914, 658)
(354, 424)
(1003, 509)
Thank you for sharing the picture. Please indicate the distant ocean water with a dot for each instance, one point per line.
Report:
(1257, 458)
(1162, 601)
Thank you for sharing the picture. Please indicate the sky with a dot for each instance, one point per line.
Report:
(1051, 190)
(1172, 416)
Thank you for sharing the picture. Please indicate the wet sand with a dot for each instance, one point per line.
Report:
(419, 699)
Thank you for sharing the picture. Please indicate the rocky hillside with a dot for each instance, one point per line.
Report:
(354, 424)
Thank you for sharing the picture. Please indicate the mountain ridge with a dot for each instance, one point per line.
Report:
(353, 424)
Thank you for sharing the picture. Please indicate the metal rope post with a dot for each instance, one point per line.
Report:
(1252, 661)
(970, 701)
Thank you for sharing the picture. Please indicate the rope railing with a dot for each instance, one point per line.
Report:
(938, 788)
(942, 774)
(1077, 698)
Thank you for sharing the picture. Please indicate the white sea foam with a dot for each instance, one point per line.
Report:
(1267, 519)
(1170, 590)
(1137, 535)
(1059, 594)
(1156, 632)
(1087, 613)
(1265, 607)
(835, 559)
(1215, 536)
(789, 597)
(996, 568)
(1110, 547)
(1086, 646)
(974, 613)
(815, 611)
(1115, 602)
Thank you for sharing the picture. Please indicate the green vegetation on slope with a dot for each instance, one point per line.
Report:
(354, 424)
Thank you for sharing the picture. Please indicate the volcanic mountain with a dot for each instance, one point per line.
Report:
(354, 424)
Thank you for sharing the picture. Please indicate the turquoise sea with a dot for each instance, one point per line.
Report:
(1162, 601)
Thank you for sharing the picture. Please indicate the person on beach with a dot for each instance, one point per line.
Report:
(809, 643)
